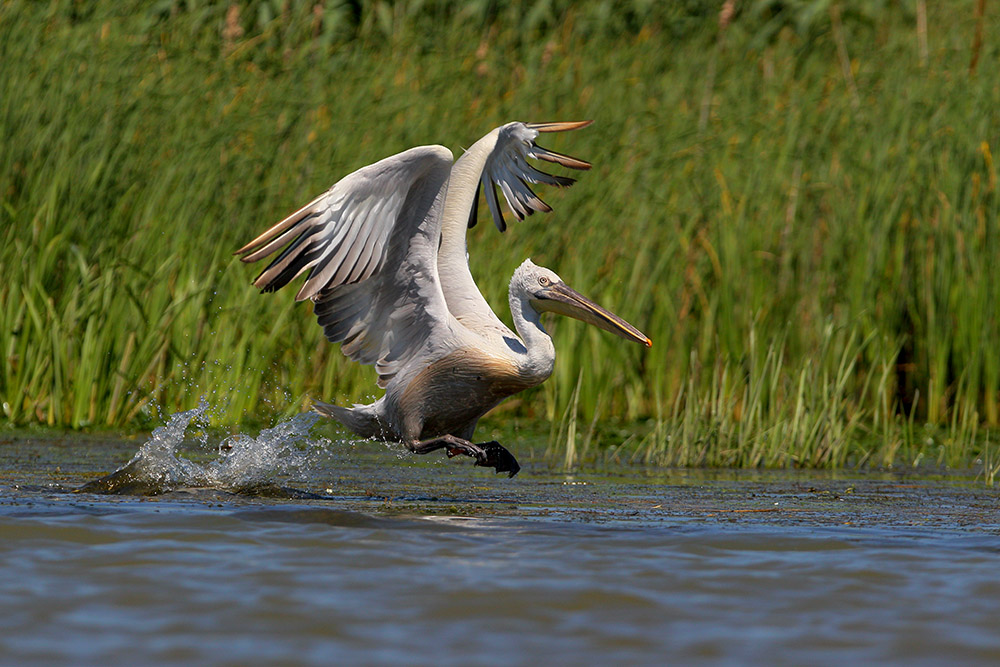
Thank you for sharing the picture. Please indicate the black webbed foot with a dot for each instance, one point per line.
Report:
(487, 454)
(496, 456)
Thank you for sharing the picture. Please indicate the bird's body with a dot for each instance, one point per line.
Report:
(385, 248)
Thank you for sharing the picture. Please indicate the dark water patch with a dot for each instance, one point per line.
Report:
(336, 517)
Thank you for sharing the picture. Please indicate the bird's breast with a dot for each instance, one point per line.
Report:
(461, 387)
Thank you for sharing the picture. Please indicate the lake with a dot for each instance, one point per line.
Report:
(285, 549)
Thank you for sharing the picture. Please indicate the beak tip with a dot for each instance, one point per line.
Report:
(648, 343)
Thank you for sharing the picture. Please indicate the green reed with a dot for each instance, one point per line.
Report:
(808, 244)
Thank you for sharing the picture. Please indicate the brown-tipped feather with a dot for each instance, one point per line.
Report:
(269, 248)
(565, 160)
(276, 230)
(559, 126)
(535, 202)
(284, 270)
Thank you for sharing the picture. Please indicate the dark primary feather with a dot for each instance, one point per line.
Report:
(508, 170)
(474, 213)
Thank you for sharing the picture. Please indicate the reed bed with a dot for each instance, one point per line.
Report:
(800, 208)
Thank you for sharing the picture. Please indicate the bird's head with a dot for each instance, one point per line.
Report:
(546, 292)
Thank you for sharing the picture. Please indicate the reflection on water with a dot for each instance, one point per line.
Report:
(429, 561)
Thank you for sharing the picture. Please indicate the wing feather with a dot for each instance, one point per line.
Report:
(474, 213)
(369, 246)
(507, 168)
(489, 189)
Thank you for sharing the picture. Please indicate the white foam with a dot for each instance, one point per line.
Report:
(241, 460)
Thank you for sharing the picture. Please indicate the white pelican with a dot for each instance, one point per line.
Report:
(389, 277)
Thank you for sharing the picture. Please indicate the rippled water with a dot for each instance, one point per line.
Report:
(393, 559)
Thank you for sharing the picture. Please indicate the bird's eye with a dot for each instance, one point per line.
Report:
(543, 281)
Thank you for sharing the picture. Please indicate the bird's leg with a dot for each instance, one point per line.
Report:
(487, 454)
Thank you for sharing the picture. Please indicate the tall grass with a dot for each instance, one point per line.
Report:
(814, 261)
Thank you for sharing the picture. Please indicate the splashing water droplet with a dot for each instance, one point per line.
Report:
(243, 462)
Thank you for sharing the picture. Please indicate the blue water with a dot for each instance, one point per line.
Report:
(430, 561)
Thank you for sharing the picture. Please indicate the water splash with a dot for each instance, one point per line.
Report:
(243, 463)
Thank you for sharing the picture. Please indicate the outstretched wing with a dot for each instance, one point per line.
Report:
(370, 246)
(507, 167)
(500, 159)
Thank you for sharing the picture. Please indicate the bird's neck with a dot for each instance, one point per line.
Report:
(539, 355)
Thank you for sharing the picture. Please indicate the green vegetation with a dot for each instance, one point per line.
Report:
(798, 204)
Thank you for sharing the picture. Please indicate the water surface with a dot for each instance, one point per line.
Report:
(379, 557)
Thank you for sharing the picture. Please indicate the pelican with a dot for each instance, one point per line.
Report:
(388, 274)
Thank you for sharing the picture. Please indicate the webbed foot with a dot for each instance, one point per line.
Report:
(487, 454)
(497, 456)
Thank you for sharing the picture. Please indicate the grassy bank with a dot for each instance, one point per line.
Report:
(800, 210)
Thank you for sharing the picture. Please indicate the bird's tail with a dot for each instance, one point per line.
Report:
(361, 418)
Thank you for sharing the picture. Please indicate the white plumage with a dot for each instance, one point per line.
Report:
(385, 251)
